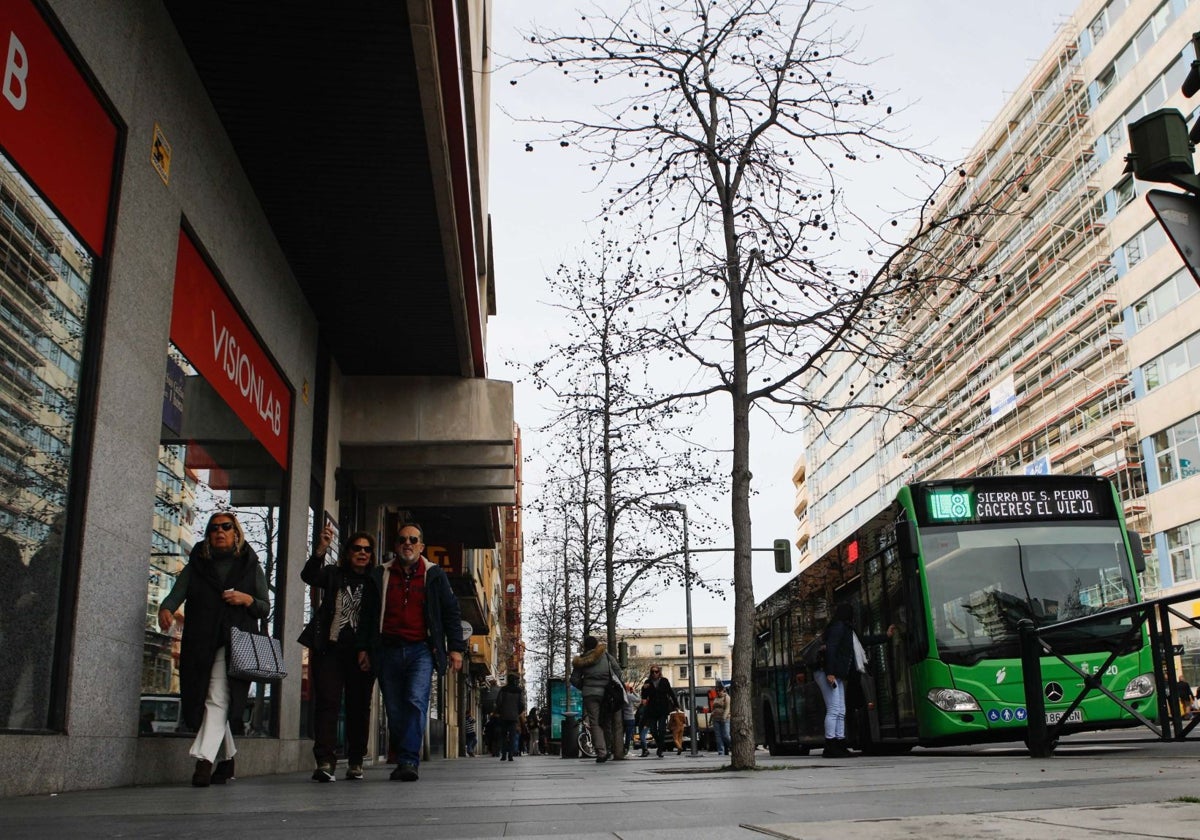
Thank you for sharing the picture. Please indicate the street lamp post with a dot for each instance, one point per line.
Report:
(679, 507)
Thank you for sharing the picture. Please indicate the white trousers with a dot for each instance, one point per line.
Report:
(214, 735)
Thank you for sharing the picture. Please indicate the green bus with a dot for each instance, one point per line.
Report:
(954, 565)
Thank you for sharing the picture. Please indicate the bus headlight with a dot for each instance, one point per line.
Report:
(953, 700)
(1140, 686)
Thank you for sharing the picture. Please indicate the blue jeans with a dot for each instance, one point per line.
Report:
(835, 705)
(630, 724)
(405, 673)
(721, 730)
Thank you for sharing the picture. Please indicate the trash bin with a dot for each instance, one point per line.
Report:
(570, 737)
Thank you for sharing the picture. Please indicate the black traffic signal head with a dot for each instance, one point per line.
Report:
(783, 556)
(1160, 149)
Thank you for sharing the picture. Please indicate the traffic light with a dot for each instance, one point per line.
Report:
(1160, 150)
(783, 556)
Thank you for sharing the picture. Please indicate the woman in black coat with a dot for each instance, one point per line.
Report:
(224, 587)
(659, 700)
(333, 655)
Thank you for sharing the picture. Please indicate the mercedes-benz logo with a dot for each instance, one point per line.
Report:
(1054, 692)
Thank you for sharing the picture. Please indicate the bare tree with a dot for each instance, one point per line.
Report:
(598, 374)
(724, 132)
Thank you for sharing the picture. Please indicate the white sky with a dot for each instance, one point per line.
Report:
(952, 62)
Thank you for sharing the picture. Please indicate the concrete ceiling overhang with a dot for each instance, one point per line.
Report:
(348, 121)
(440, 447)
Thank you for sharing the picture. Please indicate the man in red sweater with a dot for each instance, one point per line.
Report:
(411, 625)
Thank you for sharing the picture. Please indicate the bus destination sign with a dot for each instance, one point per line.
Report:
(1016, 501)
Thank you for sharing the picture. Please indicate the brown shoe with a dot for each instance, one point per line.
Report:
(202, 776)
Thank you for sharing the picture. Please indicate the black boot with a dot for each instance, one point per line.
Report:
(833, 749)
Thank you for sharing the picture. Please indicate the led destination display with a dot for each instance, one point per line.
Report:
(1013, 500)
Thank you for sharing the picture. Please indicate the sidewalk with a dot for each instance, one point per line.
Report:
(1107, 792)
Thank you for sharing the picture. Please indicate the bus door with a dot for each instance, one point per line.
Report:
(882, 598)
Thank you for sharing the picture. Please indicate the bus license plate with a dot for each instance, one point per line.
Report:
(1075, 717)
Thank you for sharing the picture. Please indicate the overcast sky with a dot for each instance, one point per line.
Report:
(953, 63)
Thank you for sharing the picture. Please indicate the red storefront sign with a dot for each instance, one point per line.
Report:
(206, 327)
(52, 125)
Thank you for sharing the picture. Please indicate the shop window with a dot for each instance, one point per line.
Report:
(45, 278)
(223, 448)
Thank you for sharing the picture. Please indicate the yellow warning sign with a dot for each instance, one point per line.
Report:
(160, 154)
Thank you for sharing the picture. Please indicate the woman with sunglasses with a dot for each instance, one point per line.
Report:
(224, 587)
(333, 659)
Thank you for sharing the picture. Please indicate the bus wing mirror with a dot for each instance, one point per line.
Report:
(1139, 556)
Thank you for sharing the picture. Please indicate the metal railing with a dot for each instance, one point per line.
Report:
(1155, 617)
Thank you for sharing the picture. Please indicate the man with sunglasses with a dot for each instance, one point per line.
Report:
(411, 625)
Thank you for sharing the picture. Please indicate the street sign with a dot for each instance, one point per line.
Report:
(1179, 214)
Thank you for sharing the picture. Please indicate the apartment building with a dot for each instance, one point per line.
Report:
(1081, 353)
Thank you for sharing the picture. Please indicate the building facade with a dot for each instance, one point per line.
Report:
(244, 266)
(1081, 353)
(667, 648)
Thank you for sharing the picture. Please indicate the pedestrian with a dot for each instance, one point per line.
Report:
(660, 702)
(718, 715)
(591, 673)
(509, 704)
(641, 721)
(472, 736)
(535, 731)
(411, 626)
(491, 734)
(633, 701)
(333, 656)
(842, 654)
(223, 586)
(1186, 696)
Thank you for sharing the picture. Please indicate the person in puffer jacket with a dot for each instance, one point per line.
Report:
(591, 672)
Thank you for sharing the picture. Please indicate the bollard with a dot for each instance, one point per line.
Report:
(1035, 701)
(570, 737)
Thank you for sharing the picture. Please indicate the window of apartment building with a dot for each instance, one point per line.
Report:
(682, 650)
(1144, 243)
(708, 672)
(1183, 546)
(1123, 193)
(1151, 98)
(1102, 22)
(658, 650)
(1172, 364)
(1135, 50)
(1172, 292)
(708, 647)
(633, 650)
(1177, 450)
(683, 672)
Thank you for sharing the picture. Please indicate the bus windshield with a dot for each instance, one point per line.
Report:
(984, 579)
